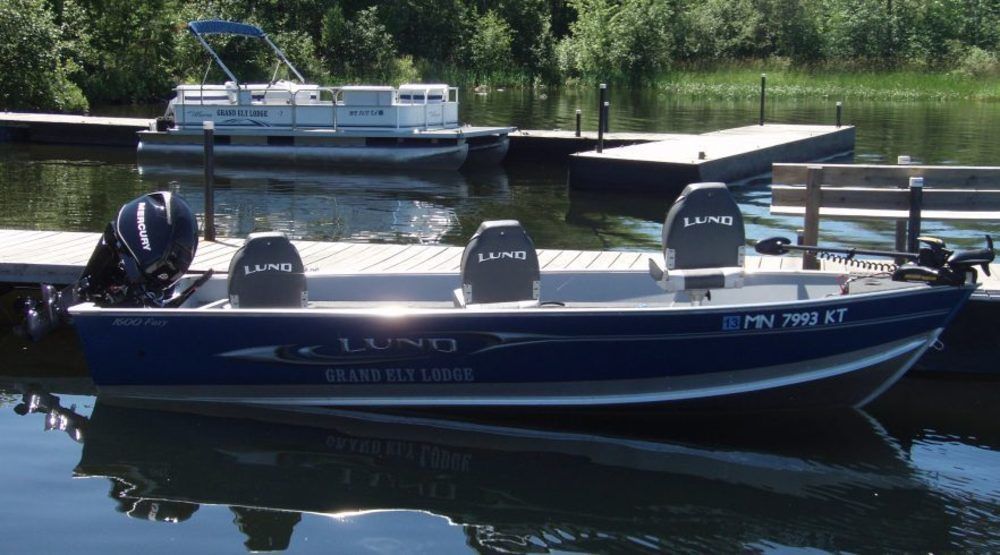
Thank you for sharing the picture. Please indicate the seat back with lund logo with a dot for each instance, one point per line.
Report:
(267, 272)
(704, 229)
(500, 265)
(703, 241)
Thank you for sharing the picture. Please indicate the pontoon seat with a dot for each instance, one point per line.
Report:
(499, 267)
(267, 272)
(703, 241)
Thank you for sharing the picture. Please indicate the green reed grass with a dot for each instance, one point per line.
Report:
(891, 85)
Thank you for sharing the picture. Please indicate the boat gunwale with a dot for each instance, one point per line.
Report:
(400, 310)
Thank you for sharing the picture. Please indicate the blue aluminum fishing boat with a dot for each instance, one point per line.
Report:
(702, 333)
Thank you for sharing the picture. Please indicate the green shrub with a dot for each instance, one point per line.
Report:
(488, 50)
(33, 77)
(978, 63)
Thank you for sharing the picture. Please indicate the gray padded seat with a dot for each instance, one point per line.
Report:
(267, 272)
(499, 266)
(703, 241)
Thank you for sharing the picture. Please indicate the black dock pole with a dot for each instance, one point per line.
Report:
(209, 128)
(916, 205)
(600, 117)
(578, 122)
(840, 113)
(763, 90)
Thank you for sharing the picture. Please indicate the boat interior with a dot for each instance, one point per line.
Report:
(704, 258)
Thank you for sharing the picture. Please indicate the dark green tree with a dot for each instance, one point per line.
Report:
(427, 29)
(123, 48)
(627, 40)
(488, 51)
(33, 75)
(532, 44)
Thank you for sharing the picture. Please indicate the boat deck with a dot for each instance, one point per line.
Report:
(29, 256)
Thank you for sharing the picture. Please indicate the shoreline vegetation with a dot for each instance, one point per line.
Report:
(64, 55)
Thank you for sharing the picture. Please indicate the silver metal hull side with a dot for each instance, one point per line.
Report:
(848, 379)
(449, 157)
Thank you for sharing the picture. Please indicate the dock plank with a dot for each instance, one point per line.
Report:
(562, 260)
(626, 260)
(422, 260)
(451, 261)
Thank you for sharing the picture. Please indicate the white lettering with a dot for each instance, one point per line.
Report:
(140, 218)
(699, 220)
(400, 375)
(282, 267)
(513, 255)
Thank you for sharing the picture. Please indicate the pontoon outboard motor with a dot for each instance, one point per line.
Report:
(267, 272)
(142, 253)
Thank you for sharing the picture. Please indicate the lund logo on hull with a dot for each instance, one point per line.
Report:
(371, 344)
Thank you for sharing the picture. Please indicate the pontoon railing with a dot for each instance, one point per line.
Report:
(184, 97)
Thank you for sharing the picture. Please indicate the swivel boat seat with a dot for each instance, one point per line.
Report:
(499, 267)
(703, 242)
(267, 272)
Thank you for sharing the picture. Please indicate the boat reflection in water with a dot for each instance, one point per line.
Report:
(701, 484)
(333, 205)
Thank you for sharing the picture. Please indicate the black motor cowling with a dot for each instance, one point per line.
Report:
(148, 247)
(500, 264)
(267, 272)
(139, 258)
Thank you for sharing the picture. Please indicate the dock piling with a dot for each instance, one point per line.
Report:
(600, 116)
(902, 232)
(810, 236)
(916, 206)
(578, 114)
(840, 113)
(209, 130)
(763, 90)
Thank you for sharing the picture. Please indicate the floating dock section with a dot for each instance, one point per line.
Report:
(667, 166)
(71, 129)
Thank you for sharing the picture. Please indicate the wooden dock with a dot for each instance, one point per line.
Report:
(667, 166)
(58, 257)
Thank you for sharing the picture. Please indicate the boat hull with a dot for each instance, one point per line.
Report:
(446, 157)
(742, 357)
(448, 149)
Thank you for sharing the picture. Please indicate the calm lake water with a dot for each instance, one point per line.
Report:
(918, 471)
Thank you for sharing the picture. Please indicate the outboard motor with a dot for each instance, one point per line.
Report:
(703, 241)
(139, 258)
(500, 265)
(267, 272)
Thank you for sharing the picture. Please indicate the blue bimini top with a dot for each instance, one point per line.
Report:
(219, 27)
